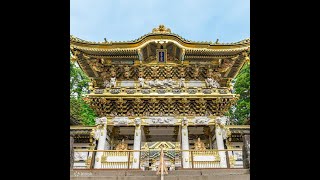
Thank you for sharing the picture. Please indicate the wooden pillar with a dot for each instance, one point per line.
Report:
(71, 152)
(246, 151)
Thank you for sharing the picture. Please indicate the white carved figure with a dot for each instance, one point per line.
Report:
(100, 121)
(168, 82)
(95, 133)
(113, 82)
(208, 82)
(184, 121)
(161, 83)
(141, 81)
(215, 84)
(137, 121)
(182, 82)
(212, 83)
(106, 83)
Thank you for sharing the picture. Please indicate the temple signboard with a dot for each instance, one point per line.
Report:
(161, 55)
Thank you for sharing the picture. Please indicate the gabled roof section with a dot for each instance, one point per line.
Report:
(160, 33)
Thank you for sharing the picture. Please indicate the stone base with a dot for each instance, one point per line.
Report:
(204, 174)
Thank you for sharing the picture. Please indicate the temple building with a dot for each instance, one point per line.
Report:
(160, 92)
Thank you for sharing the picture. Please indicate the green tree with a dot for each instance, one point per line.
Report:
(239, 113)
(79, 109)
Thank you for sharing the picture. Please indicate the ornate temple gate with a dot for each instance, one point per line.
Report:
(160, 81)
(150, 158)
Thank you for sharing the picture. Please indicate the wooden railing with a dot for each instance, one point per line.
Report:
(213, 158)
(153, 159)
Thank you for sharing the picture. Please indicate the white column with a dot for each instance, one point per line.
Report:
(185, 143)
(107, 144)
(220, 143)
(137, 144)
(102, 135)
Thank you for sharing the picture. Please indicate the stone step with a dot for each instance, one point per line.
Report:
(187, 177)
(201, 174)
(103, 172)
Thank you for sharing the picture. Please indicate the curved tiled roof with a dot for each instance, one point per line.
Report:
(167, 33)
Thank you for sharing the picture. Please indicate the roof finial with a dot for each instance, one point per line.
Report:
(161, 29)
(217, 41)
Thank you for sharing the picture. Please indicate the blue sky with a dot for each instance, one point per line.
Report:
(124, 20)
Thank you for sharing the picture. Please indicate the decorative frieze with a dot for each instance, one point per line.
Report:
(121, 121)
(161, 120)
(98, 91)
(160, 106)
(161, 91)
(115, 91)
(223, 91)
(201, 120)
(192, 90)
(176, 91)
(206, 91)
(145, 91)
(130, 91)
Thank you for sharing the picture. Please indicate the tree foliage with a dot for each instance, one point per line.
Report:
(239, 113)
(79, 109)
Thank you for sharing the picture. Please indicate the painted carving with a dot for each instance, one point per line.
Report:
(161, 120)
(130, 91)
(137, 121)
(198, 145)
(127, 72)
(196, 72)
(106, 84)
(221, 120)
(161, 91)
(176, 91)
(212, 83)
(161, 83)
(182, 71)
(98, 91)
(206, 91)
(168, 71)
(201, 120)
(96, 66)
(121, 120)
(122, 146)
(141, 71)
(182, 82)
(184, 121)
(112, 71)
(155, 71)
(192, 91)
(145, 91)
(113, 82)
(141, 81)
(101, 121)
(223, 91)
(114, 91)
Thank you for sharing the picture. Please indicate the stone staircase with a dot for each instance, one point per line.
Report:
(201, 174)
